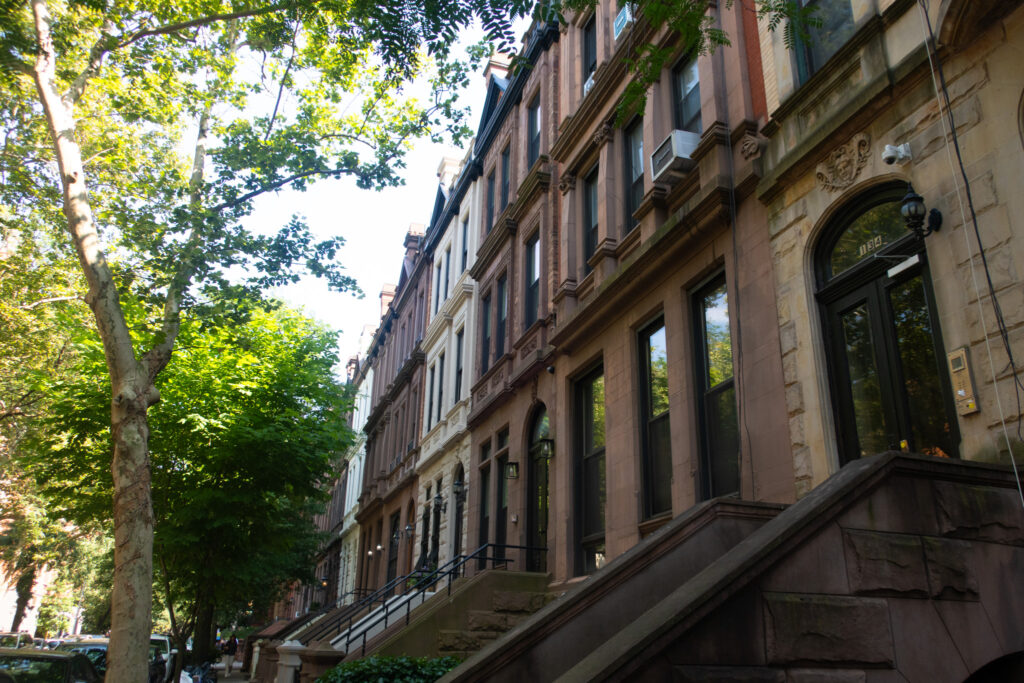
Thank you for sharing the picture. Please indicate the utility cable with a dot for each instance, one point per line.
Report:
(939, 83)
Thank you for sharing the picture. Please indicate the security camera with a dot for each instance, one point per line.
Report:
(896, 154)
(551, 369)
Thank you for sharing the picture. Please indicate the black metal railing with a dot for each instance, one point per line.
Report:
(423, 580)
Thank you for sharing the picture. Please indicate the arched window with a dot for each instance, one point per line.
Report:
(889, 387)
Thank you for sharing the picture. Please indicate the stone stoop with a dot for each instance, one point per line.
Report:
(508, 610)
(478, 612)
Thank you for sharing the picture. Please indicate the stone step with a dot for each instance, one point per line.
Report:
(522, 602)
(449, 641)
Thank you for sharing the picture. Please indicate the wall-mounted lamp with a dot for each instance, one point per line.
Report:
(460, 489)
(440, 502)
(511, 470)
(323, 582)
(379, 547)
(547, 447)
(914, 212)
(408, 530)
(369, 553)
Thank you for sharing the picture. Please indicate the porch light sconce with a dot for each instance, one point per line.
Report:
(323, 582)
(913, 209)
(379, 547)
(369, 553)
(460, 489)
(512, 470)
(440, 502)
(408, 530)
(547, 448)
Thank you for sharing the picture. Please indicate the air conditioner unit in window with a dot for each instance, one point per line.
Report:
(674, 157)
(623, 19)
(588, 84)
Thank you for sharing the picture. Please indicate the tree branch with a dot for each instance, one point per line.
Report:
(284, 78)
(202, 21)
(279, 184)
(50, 300)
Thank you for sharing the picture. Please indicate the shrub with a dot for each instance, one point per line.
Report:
(390, 669)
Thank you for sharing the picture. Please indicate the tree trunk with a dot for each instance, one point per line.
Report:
(132, 385)
(23, 589)
(202, 643)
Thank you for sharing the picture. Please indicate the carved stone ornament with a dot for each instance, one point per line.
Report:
(843, 165)
(603, 134)
(750, 146)
(566, 183)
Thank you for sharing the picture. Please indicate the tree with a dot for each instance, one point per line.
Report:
(118, 85)
(245, 439)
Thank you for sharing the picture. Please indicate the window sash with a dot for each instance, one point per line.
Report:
(505, 180)
(532, 298)
(589, 217)
(502, 302)
(490, 201)
(589, 48)
(634, 170)
(686, 84)
(485, 337)
(533, 132)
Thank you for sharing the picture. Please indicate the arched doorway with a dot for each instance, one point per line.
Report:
(538, 485)
(887, 367)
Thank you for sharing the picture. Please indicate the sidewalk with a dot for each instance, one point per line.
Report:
(234, 675)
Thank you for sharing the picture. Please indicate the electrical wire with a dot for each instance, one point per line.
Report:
(939, 84)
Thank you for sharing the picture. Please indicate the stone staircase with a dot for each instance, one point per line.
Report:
(476, 612)
(508, 609)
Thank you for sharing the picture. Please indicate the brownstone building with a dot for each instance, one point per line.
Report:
(743, 415)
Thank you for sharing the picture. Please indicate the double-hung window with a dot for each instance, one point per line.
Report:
(502, 317)
(589, 51)
(506, 169)
(837, 27)
(589, 217)
(686, 92)
(634, 170)
(485, 335)
(465, 245)
(490, 201)
(437, 289)
(531, 300)
(440, 386)
(430, 397)
(716, 398)
(459, 338)
(533, 132)
(447, 270)
(657, 451)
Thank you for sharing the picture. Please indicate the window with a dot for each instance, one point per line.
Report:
(506, 168)
(590, 471)
(503, 438)
(458, 364)
(589, 50)
(501, 507)
(437, 289)
(634, 170)
(533, 132)
(485, 507)
(532, 296)
(499, 338)
(485, 336)
(686, 90)
(589, 217)
(430, 398)
(716, 399)
(425, 532)
(465, 245)
(447, 270)
(657, 448)
(490, 202)
(836, 28)
(440, 386)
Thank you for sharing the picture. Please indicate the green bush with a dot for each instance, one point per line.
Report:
(390, 670)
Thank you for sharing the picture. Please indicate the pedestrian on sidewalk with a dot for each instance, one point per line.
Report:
(229, 646)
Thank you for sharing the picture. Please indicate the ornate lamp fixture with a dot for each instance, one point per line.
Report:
(914, 212)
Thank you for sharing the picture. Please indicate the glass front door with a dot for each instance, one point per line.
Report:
(886, 361)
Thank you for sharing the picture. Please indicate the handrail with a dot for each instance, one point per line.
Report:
(452, 569)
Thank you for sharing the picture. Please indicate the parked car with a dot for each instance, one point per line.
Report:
(26, 665)
(95, 649)
(16, 640)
